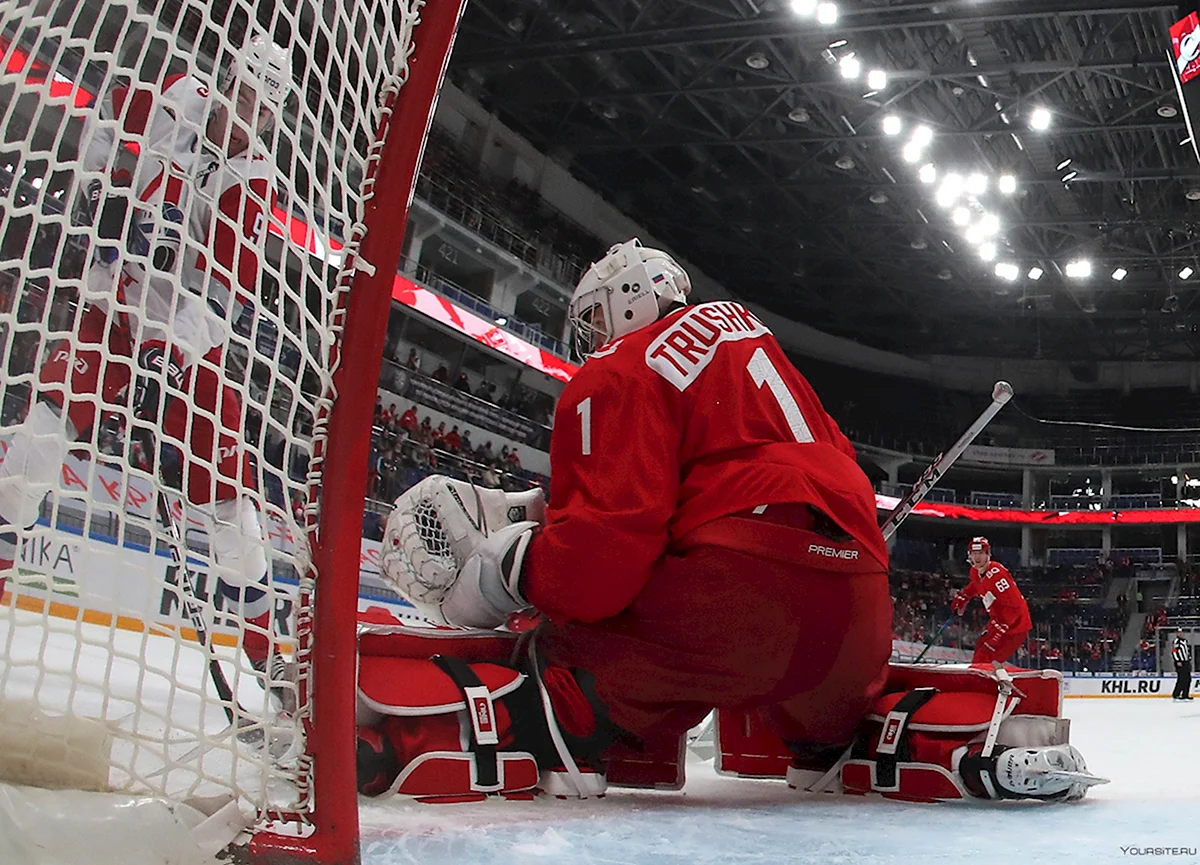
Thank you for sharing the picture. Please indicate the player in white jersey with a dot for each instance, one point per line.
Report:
(178, 199)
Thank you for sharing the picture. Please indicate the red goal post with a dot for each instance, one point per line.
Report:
(132, 654)
(336, 547)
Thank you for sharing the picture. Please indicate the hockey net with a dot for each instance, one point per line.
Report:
(134, 654)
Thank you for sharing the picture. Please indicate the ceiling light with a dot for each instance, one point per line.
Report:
(877, 79)
(1007, 184)
(919, 243)
(977, 184)
(799, 115)
(945, 274)
(922, 135)
(1120, 273)
(1063, 164)
(892, 125)
(1186, 273)
(827, 13)
(1192, 195)
(989, 224)
(974, 235)
(1007, 270)
(981, 80)
(1040, 119)
(961, 216)
(1069, 176)
(502, 321)
(1035, 273)
(1079, 269)
(1167, 111)
(879, 197)
(911, 152)
(837, 43)
(757, 60)
(804, 7)
(949, 190)
(987, 251)
(845, 163)
(928, 173)
(850, 67)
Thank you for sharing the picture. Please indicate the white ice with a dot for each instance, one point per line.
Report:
(1143, 745)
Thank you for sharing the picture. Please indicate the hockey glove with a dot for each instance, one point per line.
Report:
(488, 586)
(159, 362)
(959, 605)
(156, 238)
(106, 213)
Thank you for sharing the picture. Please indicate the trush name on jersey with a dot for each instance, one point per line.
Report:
(682, 351)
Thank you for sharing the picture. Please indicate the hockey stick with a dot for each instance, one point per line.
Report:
(188, 599)
(929, 645)
(1001, 393)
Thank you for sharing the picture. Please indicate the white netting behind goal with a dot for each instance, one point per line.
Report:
(171, 287)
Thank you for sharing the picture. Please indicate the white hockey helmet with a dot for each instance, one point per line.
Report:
(626, 290)
(266, 67)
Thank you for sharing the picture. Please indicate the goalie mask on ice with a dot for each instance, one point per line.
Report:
(454, 550)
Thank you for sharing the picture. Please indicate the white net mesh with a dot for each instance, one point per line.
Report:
(177, 181)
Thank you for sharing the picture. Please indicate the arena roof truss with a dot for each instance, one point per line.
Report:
(727, 128)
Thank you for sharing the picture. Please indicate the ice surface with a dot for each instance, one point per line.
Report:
(1143, 745)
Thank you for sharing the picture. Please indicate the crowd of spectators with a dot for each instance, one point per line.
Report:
(520, 400)
(404, 449)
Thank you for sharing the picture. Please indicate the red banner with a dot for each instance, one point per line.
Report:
(1185, 42)
(479, 329)
(1046, 518)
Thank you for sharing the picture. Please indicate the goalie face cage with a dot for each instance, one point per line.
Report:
(107, 678)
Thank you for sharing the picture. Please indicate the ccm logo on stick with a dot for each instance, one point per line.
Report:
(832, 552)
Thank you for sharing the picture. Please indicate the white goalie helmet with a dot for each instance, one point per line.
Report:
(436, 525)
(626, 290)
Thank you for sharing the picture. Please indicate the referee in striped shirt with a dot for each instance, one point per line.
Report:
(1181, 652)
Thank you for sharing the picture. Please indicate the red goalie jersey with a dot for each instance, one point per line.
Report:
(695, 417)
(1001, 597)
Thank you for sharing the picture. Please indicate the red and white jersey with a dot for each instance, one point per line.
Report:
(1000, 595)
(697, 416)
(154, 143)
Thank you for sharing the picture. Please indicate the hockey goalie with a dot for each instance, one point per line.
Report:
(710, 543)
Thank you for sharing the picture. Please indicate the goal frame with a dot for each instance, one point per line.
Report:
(335, 543)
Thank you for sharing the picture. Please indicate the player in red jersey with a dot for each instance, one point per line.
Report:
(710, 540)
(178, 191)
(1008, 614)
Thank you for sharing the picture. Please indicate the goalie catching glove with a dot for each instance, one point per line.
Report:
(455, 551)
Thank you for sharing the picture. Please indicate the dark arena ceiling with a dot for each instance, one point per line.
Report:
(732, 130)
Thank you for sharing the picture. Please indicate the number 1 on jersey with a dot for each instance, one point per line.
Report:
(584, 410)
(763, 372)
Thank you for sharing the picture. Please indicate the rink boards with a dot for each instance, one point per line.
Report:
(113, 573)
